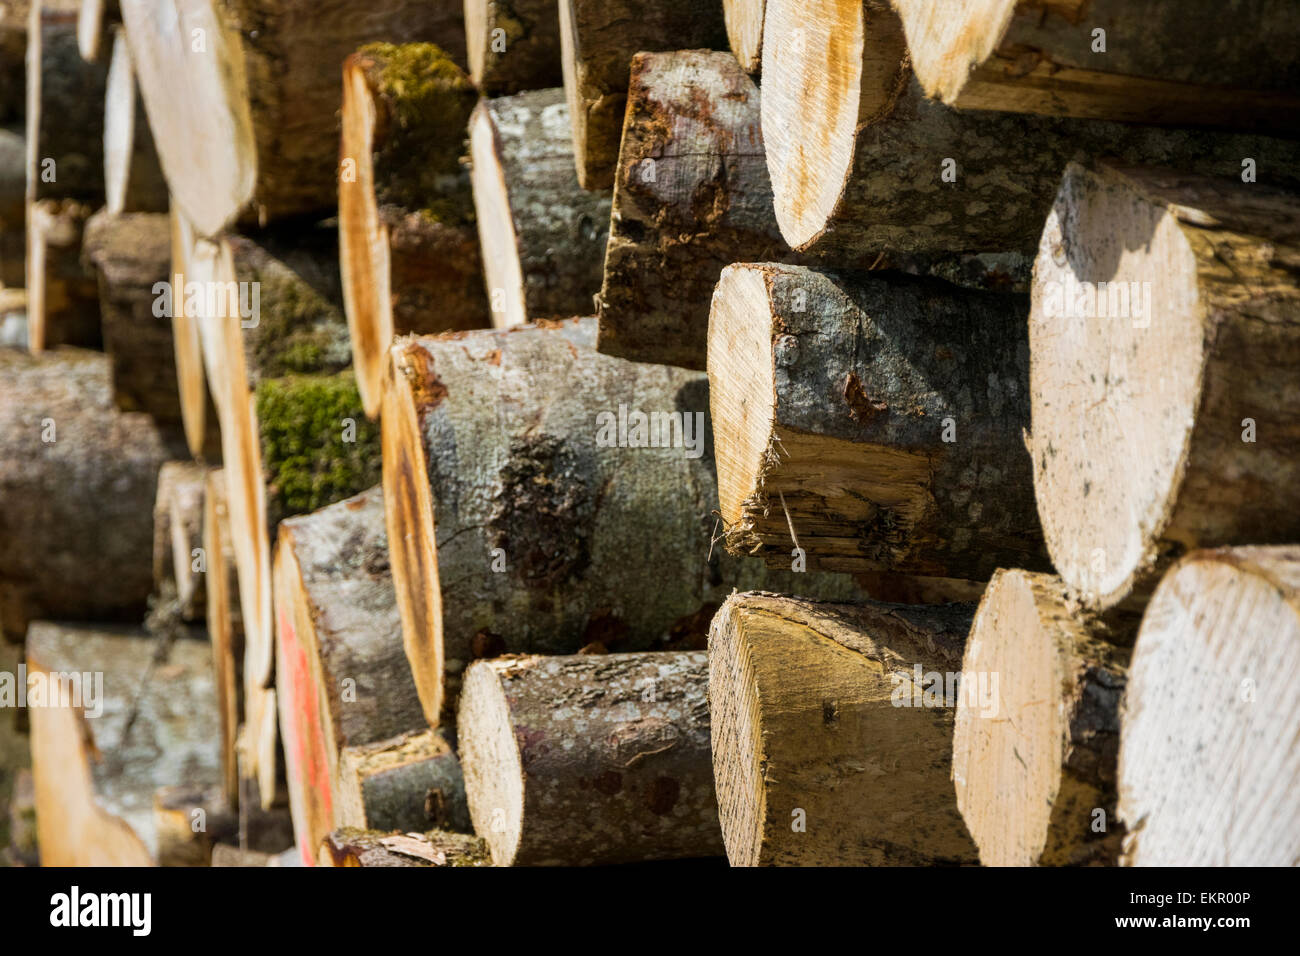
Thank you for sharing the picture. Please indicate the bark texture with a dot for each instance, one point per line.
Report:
(619, 741)
(1038, 722)
(95, 783)
(1163, 336)
(78, 479)
(691, 197)
(1206, 775)
(1199, 63)
(873, 421)
(131, 255)
(527, 525)
(827, 749)
(541, 234)
(513, 45)
(409, 782)
(597, 41)
(65, 112)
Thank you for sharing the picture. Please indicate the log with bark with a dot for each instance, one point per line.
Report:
(244, 111)
(862, 161)
(1207, 769)
(744, 19)
(1037, 729)
(65, 111)
(179, 561)
(131, 254)
(618, 741)
(691, 197)
(1163, 339)
(347, 685)
(62, 291)
(408, 249)
(78, 479)
(872, 422)
(597, 41)
(350, 846)
(832, 729)
(277, 315)
(542, 236)
(513, 45)
(95, 784)
(410, 782)
(535, 506)
(1197, 63)
(133, 179)
(225, 625)
(188, 821)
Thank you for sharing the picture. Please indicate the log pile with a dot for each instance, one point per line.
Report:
(501, 433)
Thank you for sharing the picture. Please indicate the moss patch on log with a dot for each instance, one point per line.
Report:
(418, 152)
(299, 329)
(318, 447)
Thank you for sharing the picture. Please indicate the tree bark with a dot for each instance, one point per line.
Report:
(131, 254)
(62, 293)
(597, 41)
(619, 741)
(353, 847)
(13, 50)
(225, 625)
(408, 249)
(1202, 63)
(744, 19)
(525, 526)
(863, 162)
(1037, 730)
(1163, 336)
(86, 551)
(542, 236)
(831, 744)
(179, 561)
(1206, 775)
(872, 423)
(133, 180)
(691, 197)
(94, 793)
(252, 130)
(513, 45)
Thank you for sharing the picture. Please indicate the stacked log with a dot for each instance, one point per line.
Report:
(871, 422)
(179, 559)
(86, 552)
(895, 170)
(358, 847)
(1202, 780)
(133, 179)
(832, 730)
(513, 45)
(408, 250)
(251, 131)
(511, 480)
(1036, 741)
(540, 233)
(95, 791)
(355, 739)
(597, 41)
(1162, 338)
(620, 741)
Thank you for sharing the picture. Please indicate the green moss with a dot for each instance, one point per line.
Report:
(305, 423)
(299, 330)
(431, 99)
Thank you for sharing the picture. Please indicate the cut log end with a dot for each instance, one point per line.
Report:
(745, 31)
(502, 273)
(818, 90)
(493, 770)
(1205, 775)
(409, 516)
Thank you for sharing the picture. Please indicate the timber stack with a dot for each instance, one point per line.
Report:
(528, 433)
